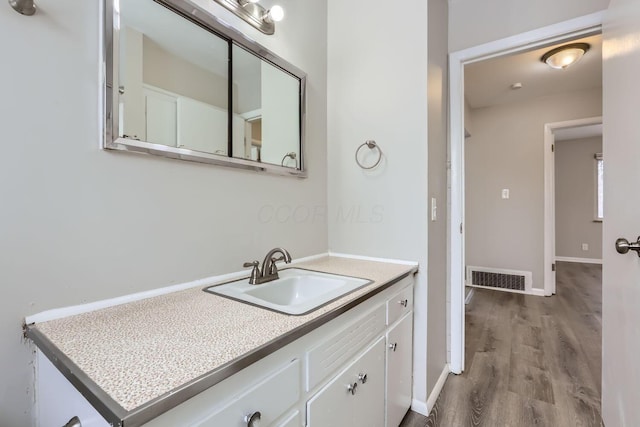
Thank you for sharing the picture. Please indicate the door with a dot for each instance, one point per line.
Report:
(202, 127)
(354, 398)
(399, 357)
(161, 125)
(621, 273)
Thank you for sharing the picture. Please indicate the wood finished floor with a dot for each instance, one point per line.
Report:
(530, 361)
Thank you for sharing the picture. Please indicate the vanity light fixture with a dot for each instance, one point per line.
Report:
(24, 7)
(254, 14)
(564, 56)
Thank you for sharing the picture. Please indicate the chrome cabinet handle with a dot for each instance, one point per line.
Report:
(351, 388)
(404, 302)
(393, 346)
(623, 246)
(253, 419)
(73, 422)
(362, 378)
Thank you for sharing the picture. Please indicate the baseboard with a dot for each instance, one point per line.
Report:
(579, 260)
(533, 291)
(431, 401)
(420, 407)
(467, 299)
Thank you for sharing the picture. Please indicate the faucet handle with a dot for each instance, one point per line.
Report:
(255, 272)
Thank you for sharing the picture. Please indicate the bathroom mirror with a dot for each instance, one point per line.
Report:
(181, 84)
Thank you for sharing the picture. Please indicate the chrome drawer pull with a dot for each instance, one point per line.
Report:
(393, 346)
(253, 419)
(362, 378)
(73, 422)
(404, 302)
(351, 388)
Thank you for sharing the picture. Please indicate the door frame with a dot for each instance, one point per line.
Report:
(550, 196)
(574, 28)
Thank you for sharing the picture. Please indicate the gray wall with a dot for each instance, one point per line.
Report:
(437, 122)
(575, 184)
(473, 22)
(375, 94)
(506, 151)
(80, 224)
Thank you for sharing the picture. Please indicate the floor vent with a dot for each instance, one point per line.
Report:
(499, 278)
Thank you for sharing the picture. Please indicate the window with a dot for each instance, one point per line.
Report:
(599, 187)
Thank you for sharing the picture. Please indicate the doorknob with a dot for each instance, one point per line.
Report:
(623, 246)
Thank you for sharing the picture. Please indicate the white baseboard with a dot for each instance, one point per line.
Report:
(579, 260)
(59, 313)
(431, 401)
(420, 407)
(467, 299)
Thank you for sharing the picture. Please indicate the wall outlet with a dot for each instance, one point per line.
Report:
(505, 193)
(585, 246)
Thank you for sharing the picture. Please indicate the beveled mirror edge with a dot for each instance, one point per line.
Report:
(190, 10)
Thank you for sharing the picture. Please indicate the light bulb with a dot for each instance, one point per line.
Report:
(275, 14)
(564, 56)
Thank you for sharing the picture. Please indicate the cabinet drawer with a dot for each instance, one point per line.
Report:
(271, 397)
(355, 397)
(400, 304)
(334, 352)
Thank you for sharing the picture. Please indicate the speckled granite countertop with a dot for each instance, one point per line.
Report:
(139, 351)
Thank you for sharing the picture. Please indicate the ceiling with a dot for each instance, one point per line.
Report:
(489, 82)
(578, 132)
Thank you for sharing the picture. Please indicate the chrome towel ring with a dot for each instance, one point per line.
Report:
(371, 144)
(293, 156)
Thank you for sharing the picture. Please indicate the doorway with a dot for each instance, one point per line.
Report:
(571, 30)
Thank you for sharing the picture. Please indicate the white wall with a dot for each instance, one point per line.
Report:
(437, 123)
(575, 192)
(81, 224)
(377, 84)
(506, 151)
(473, 22)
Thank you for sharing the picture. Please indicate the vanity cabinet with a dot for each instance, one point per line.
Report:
(355, 397)
(354, 370)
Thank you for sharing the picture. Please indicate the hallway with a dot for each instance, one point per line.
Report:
(531, 361)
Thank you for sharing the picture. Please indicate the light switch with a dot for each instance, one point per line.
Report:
(585, 246)
(434, 212)
(505, 193)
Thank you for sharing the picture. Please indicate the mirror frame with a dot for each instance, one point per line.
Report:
(189, 9)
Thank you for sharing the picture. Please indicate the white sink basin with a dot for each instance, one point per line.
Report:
(296, 292)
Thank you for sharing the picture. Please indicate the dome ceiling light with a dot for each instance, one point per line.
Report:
(564, 56)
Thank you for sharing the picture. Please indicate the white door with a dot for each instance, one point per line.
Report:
(202, 127)
(399, 357)
(160, 110)
(621, 273)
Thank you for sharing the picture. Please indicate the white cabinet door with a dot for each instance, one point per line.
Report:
(351, 399)
(399, 366)
(202, 127)
(57, 400)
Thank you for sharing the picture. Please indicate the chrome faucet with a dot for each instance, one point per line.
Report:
(269, 269)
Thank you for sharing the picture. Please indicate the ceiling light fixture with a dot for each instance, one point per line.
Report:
(564, 56)
(256, 15)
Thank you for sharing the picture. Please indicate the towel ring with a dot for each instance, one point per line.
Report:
(371, 144)
(293, 156)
